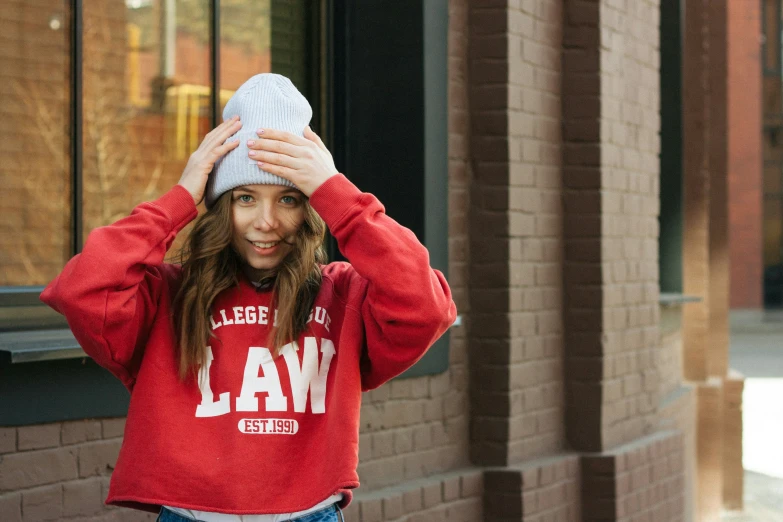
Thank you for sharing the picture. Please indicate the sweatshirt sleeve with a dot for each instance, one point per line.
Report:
(109, 292)
(406, 304)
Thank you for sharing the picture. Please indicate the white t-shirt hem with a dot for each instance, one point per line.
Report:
(211, 516)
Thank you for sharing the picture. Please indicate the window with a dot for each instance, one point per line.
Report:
(36, 112)
(772, 146)
(391, 120)
(101, 109)
(671, 159)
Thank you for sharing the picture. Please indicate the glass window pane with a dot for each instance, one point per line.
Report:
(258, 36)
(35, 174)
(245, 43)
(146, 100)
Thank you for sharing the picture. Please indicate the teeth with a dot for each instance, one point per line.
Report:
(266, 245)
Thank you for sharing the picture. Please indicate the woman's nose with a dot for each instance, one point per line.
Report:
(266, 218)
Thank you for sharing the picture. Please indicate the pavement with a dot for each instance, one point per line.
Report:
(757, 353)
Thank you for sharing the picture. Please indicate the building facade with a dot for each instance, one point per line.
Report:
(568, 164)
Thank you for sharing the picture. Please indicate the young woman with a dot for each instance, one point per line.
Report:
(246, 362)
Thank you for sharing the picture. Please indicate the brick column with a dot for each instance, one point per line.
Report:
(696, 227)
(611, 123)
(491, 345)
(733, 471)
(583, 182)
(745, 156)
(709, 451)
(718, 351)
(516, 243)
(516, 222)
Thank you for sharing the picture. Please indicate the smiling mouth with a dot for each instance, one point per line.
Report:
(268, 244)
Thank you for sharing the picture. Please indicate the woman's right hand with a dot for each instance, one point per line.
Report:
(202, 161)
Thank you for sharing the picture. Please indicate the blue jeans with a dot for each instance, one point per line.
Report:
(328, 514)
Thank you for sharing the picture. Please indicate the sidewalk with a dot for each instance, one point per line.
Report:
(763, 500)
(757, 353)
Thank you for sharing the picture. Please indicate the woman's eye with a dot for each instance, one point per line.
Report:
(244, 198)
(289, 200)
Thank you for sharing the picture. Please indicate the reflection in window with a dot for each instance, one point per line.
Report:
(35, 173)
(143, 60)
(265, 36)
(146, 95)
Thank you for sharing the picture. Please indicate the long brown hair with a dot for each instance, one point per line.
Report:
(210, 265)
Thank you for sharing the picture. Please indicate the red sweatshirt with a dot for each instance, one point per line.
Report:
(257, 435)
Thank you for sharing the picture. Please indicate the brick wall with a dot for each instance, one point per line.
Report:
(455, 496)
(677, 413)
(414, 428)
(535, 227)
(611, 117)
(60, 471)
(744, 153)
(516, 222)
(537, 491)
(630, 146)
(635, 482)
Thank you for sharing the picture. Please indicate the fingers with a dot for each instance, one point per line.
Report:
(278, 135)
(224, 131)
(279, 170)
(271, 145)
(226, 148)
(311, 135)
(228, 128)
(273, 158)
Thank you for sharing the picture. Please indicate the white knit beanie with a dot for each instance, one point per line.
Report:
(266, 101)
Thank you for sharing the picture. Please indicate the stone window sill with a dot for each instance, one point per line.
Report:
(674, 299)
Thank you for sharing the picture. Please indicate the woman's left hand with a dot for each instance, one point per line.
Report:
(305, 162)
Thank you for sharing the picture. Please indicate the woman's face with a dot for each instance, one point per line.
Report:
(266, 219)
